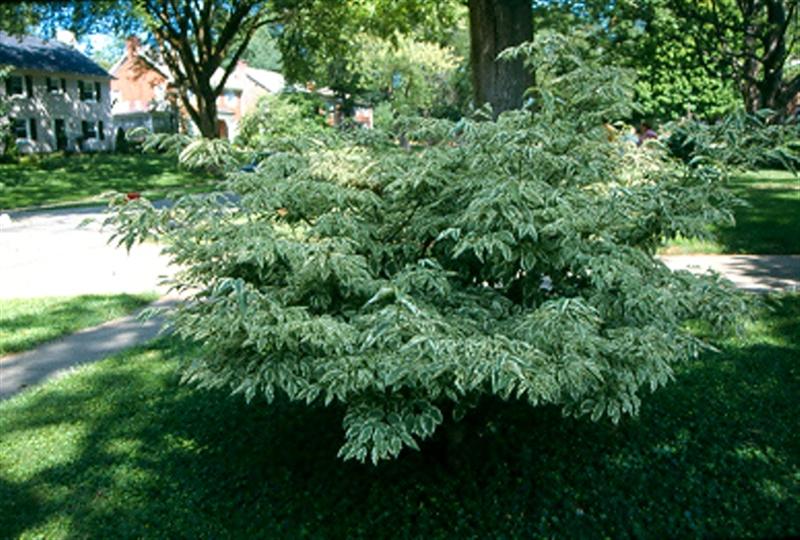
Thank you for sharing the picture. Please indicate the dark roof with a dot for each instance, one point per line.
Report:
(28, 52)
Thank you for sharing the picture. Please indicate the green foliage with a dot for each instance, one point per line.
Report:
(650, 38)
(263, 51)
(320, 38)
(741, 140)
(212, 156)
(512, 258)
(414, 76)
(8, 143)
(673, 77)
(280, 119)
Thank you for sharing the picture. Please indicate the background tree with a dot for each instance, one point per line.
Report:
(414, 76)
(648, 37)
(8, 142)
(494, 26)
(201, 41)
(757, 38)
(318, 39)
(263, 51)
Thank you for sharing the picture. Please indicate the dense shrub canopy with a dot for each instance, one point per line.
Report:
(512, 258)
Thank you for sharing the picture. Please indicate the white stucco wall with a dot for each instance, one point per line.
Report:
(45, 107)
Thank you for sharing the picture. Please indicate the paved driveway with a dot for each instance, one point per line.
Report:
(49, 253)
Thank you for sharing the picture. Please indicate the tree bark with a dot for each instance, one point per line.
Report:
(762, 84)
(494, 26)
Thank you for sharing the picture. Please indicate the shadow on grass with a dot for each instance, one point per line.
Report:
(43, 320)
(770, 224)
(715, 454)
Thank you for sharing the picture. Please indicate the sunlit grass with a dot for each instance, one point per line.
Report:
(90, 178)
(26, 323)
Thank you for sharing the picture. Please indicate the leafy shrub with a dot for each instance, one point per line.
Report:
(278, 120)
(513, 258)
(740, 140)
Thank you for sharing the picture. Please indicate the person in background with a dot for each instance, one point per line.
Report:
(645, 133)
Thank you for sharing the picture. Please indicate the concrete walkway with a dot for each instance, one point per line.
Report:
(756, 273)
(54, 359)
(55, 253)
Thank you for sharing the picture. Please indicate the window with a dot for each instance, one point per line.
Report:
(56, 86)
(100, 133)
(34, 135)
(29, 85)
(14, 85)
(20, 128)
(85, 91)
(97, 94)
(88, 129)
(53, 86)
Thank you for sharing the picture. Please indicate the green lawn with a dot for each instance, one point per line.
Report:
(769, 224)
(25, 323)
(121, 450)
(88, 178)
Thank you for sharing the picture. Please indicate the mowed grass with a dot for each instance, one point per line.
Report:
(122, 450)
(769, 224)
(26, 323)
(89, 178)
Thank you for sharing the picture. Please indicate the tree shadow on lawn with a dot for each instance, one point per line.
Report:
(769, 224)
(716, 453)
(21, 332)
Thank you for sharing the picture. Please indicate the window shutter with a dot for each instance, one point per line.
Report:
(97, 94)
(64, 85)
(29, 84)
(33, 132)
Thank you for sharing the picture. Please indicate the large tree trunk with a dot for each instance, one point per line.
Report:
(494, 26)
(202, 110)
(207, 115)
(762, 84)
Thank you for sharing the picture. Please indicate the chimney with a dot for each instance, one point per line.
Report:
(132, 45)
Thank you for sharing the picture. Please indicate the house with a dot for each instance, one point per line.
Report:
(243, 88)
(58, 98)
(144, 94)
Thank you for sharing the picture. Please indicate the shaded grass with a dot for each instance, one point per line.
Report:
(26, 323)
(88, 178)
(120, 450)
(768, 225)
